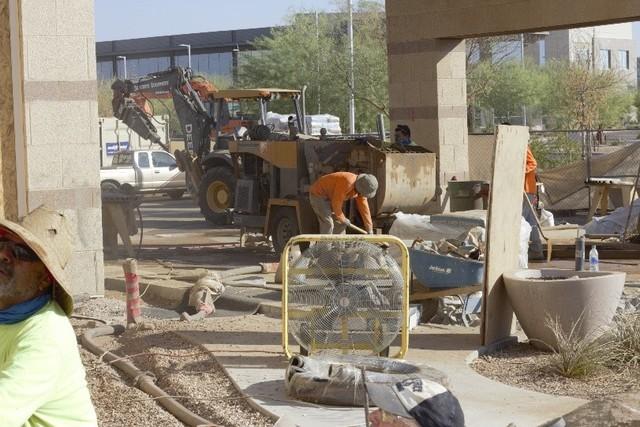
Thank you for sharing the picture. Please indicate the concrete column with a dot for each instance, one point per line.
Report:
(427, 90)
(8, 194)
(56, 120)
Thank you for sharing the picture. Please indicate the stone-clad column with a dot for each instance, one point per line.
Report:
(427, 91)
(8, 195)
(56, 121)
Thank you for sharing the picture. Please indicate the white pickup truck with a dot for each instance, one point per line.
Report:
(144, 171)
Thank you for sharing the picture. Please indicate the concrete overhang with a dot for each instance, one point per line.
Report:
(458, 19)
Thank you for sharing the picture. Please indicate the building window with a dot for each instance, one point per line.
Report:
(623, 59)
(105, 70)
(139, 67)
(210, 64)
(605, 59)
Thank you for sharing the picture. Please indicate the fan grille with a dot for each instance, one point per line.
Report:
(345, 297)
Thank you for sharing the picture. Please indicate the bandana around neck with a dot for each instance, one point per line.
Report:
(19, 312)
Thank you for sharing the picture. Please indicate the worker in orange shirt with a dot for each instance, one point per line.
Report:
(328, 194)
(530, 171)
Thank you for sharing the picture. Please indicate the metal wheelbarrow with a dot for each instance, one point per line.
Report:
(441, 275)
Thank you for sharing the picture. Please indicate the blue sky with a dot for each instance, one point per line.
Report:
(124, 19)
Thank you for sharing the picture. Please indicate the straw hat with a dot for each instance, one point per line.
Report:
(48, 234)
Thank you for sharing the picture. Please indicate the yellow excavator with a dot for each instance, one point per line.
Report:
(209, 118)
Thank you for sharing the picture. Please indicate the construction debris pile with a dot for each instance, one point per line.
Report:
(629, 303)
(469, 246)
(458, 310)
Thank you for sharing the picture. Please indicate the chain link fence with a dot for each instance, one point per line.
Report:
(560, 148)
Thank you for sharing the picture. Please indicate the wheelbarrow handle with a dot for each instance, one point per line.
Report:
(361, 231)
(356, 228)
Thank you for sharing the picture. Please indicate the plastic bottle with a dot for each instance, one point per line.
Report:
(593, 259)
(580, 252)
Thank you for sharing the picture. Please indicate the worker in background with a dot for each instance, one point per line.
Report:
(42, 380)
(329, 192)
(403, 135)
(293, 128)
(530, 173)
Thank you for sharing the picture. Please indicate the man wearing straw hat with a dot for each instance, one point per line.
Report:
(42, 380)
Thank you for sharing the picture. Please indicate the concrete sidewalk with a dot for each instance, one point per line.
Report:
(253, 357)
(249, 349)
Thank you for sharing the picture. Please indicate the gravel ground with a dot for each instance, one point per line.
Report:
(181, 368)
(526, 367)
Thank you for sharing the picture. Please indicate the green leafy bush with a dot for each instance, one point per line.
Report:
(553, 150)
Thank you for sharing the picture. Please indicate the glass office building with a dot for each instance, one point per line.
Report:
(214, 53)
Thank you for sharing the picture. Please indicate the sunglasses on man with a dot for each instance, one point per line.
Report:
(19, 251)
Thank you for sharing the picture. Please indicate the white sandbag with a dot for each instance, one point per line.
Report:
(546, 218)
(525, 232)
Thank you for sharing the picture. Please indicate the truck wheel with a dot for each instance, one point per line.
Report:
(216, 195)
(176, 194)
(283, 226)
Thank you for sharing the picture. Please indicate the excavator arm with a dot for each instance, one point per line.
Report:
(130, 104)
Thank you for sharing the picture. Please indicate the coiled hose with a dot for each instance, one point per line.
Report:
(142, 380)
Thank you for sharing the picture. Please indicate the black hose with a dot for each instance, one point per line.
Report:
(97, 319)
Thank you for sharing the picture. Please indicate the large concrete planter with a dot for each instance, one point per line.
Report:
(565, 295)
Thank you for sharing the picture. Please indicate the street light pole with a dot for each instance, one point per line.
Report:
(124, 63)
(352, 101)
(235, 53)
(188, 46)
(524, 107)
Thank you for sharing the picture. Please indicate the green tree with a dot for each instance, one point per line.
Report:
(104, 98)
(554, 150)
(615, 110)
(577, 97)
(312, 50)
(505, 87)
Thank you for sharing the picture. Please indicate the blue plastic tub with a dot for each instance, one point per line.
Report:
(440, 271)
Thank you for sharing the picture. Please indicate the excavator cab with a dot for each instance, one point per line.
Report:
(247, 108)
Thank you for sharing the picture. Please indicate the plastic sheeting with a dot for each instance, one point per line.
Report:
(525, 232)
(614, 222)
(337, 380)
(565, 186)
(409, 227)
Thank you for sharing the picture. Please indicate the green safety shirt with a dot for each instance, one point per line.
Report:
(42, 380)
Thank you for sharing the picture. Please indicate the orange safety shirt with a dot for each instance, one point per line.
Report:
(339, 187)
(530, 167)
